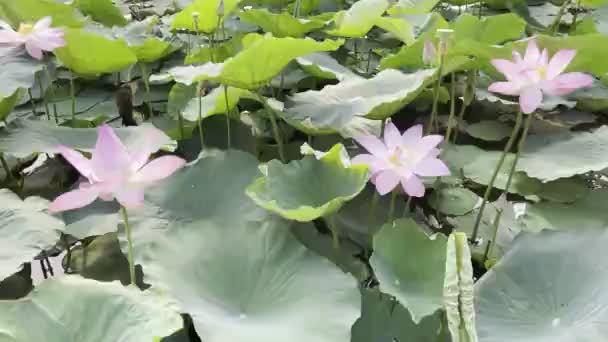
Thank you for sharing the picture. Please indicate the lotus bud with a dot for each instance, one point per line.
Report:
(429, 54)
(220, 8)
(445, 36)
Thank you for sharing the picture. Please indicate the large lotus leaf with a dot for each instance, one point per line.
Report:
(307, 189)
(89, 54)
(335, 106)
(216, 53)
(478, 165)
(489, 30)
(565, 190)
(102, 11)
(385, 320)
(359, 19)
(242, 277)
(16, 12)
(280, 24)
(458, 289)
(322, 65)
(18, 71)
(74, 309)
(266, 57)
(399, 27)
(410, 266)
(589, 211)
(208, 21)
(152, 50)
(564, 155)
(23, 137)
(453, 200)
(97, 218)
(25, 230)
(548, 287)
(213, 103)
(489, 130)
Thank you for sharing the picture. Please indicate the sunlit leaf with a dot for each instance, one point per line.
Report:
(322, 65)
(453, 200)
(208, 21)
(89, 54)
(307, 189)
(102, 11)
(280, 24)
(30, 11)
(152, 50)
(400, 28)
(359, 19)
(213, 103)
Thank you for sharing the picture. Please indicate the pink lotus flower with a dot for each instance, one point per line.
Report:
(534, 75)
(429, 53)
(36, 38)
(115, 172)
(401, 159)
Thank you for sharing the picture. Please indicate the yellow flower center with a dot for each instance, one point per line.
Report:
(25, 29)
(542, 71)
(395, 157)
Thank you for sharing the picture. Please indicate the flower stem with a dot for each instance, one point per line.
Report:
(277, 134)
(229, 139)
(180, 120)
(495, 174)
(406, 209)
(200, 114)
(125, 218)
(372, 209)
(29, 93)
(51, 92)
(436, 89)
(43, 96)
(331, 221)
(492, 242)
(448, 134)
(391, 208)
(520, 147)
(73, 97)
(558, 19)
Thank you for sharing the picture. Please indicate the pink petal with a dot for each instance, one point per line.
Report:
(374, 164)
(506, 88)
(427, 144)
(43, 24)
(517, 57)
(386, 181)
(532, 54)
(110, 158)
(530, 99)
(158, 169)
(429, 54)
(507, 68)
(9, 36)
(152, 141)
(559, 62)
(431, 167)
(411, 136)
(565, 84)
(392, 137)
(44, 42)
(373, 145)
(131, 198)
(33, 50)
(413, 186)
(78, 161)
(73, 200)
(544, 58)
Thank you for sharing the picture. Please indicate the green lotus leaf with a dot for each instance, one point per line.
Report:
(213, 103)
(336, 106)
(89, 54)
(384, 320)
(63, 308)
(261, 61)
(25, 231)
(280, 24)
(18, 71)
(218, 53)
(307, 189)
(322, 65)
(358, 19)
(23, 137)
(102, 11)
(453, 201)
(488, 130)
(399, 27)
(588, 211)
(30, 11)
(152, 50)
(208, 21)
(458, 289)
(565, 190)
(410, 266)
(548, 287)
(241, 277)
(478, 165)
